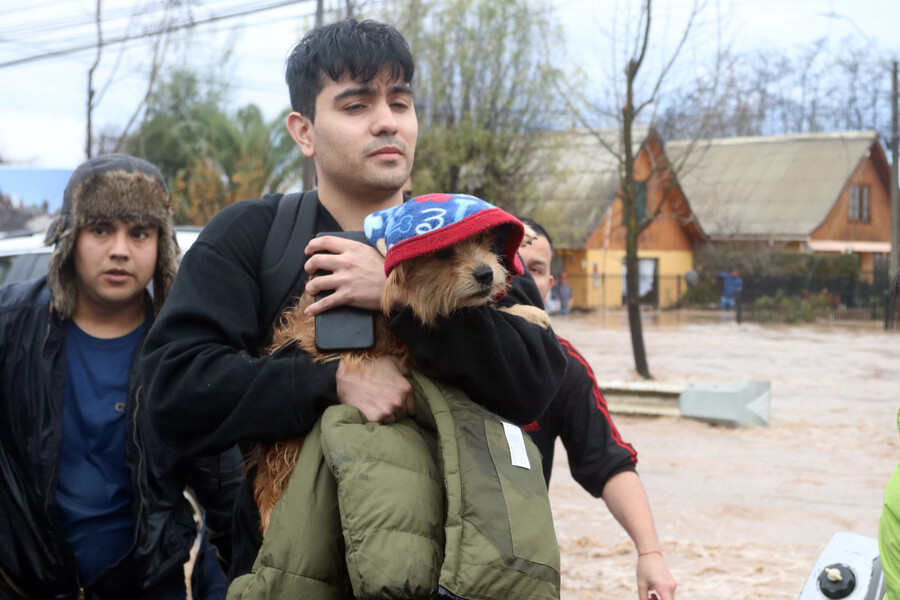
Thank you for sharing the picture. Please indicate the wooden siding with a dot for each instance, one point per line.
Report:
(838, 226)
(672, 229)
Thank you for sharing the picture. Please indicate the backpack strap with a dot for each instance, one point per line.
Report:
(281, 265)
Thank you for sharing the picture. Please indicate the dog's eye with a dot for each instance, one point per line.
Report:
(443, 254)
(479, 238)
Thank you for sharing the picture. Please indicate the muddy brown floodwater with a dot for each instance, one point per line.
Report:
(741, 513)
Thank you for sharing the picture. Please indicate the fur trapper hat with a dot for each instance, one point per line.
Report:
(429, 223)
(112, 186)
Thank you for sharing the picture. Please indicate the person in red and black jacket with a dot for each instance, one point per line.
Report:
(600, 460)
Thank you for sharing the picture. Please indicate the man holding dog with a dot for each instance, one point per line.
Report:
(92, 504)
(350, 88)
(600, 460)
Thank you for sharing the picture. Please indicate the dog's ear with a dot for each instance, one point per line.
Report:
(530, 236)
(394, 292)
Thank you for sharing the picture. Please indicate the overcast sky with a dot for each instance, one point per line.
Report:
(42, 102)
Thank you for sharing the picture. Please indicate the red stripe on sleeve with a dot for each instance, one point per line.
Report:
(600, 401)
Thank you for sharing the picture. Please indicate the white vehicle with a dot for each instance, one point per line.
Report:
(24, 256)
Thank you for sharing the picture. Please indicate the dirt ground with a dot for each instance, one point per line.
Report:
(741, 513)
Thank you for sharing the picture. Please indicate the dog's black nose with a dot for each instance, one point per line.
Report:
(484, 275)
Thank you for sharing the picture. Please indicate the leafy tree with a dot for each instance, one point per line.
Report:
(483, 84)
(211, 158)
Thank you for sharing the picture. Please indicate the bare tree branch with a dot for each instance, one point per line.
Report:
(159, 46)
(90, 82)
(654, 95)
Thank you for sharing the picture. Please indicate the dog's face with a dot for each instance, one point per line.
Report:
(469, 273)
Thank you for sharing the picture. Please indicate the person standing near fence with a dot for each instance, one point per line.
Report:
(732, 284)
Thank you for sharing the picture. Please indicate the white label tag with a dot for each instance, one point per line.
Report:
(516, 442)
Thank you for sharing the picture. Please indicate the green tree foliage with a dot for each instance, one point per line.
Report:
(483, 85)
(211, 158)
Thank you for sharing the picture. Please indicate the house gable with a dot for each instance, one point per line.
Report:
(673, 229)
(578, 193)
(869, 220)
(583, 214)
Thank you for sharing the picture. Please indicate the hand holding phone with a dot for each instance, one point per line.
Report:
(344, 327)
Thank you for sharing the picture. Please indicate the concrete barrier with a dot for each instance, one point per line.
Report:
(734, 404)
(642, 397)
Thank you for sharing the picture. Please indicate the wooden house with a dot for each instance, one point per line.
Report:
(580, 206)
(822, 192)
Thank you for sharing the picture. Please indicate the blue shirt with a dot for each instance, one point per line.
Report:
(92, 496)
(731, 285)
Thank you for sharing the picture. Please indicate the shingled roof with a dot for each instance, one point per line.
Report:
(779, 187)
(580, 182)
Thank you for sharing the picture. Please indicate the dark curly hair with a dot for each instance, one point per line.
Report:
(358, 49)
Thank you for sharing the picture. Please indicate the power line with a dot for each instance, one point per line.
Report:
(42, 25)
(39, 46)
(149, 33)
(25, 7)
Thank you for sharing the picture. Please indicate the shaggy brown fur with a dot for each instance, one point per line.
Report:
(469, 273)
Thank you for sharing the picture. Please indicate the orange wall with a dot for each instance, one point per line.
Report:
(667, 232)
(838, 226)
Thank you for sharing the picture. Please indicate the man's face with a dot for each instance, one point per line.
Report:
(537, 257)
(114, 262)
(364, 136)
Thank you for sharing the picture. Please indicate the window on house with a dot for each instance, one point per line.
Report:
(859, 203)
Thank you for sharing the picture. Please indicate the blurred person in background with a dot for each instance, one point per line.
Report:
(732, 284)
(599, 459)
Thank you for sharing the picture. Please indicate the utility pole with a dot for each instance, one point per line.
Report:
(895, 191)
(309, 164)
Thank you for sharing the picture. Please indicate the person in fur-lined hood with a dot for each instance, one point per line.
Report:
(107, 188)
(93, 502)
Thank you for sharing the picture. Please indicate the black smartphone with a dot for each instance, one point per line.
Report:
(344, 327)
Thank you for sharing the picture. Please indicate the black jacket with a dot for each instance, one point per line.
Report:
(579, 416)
(210, 389)
(34, 557)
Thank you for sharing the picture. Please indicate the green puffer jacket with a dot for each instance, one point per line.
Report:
(431, 507)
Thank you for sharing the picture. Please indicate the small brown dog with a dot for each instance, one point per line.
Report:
(473, 271)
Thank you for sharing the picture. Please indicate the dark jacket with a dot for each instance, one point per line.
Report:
(210, 389)
(579, 416)
(34, 558)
